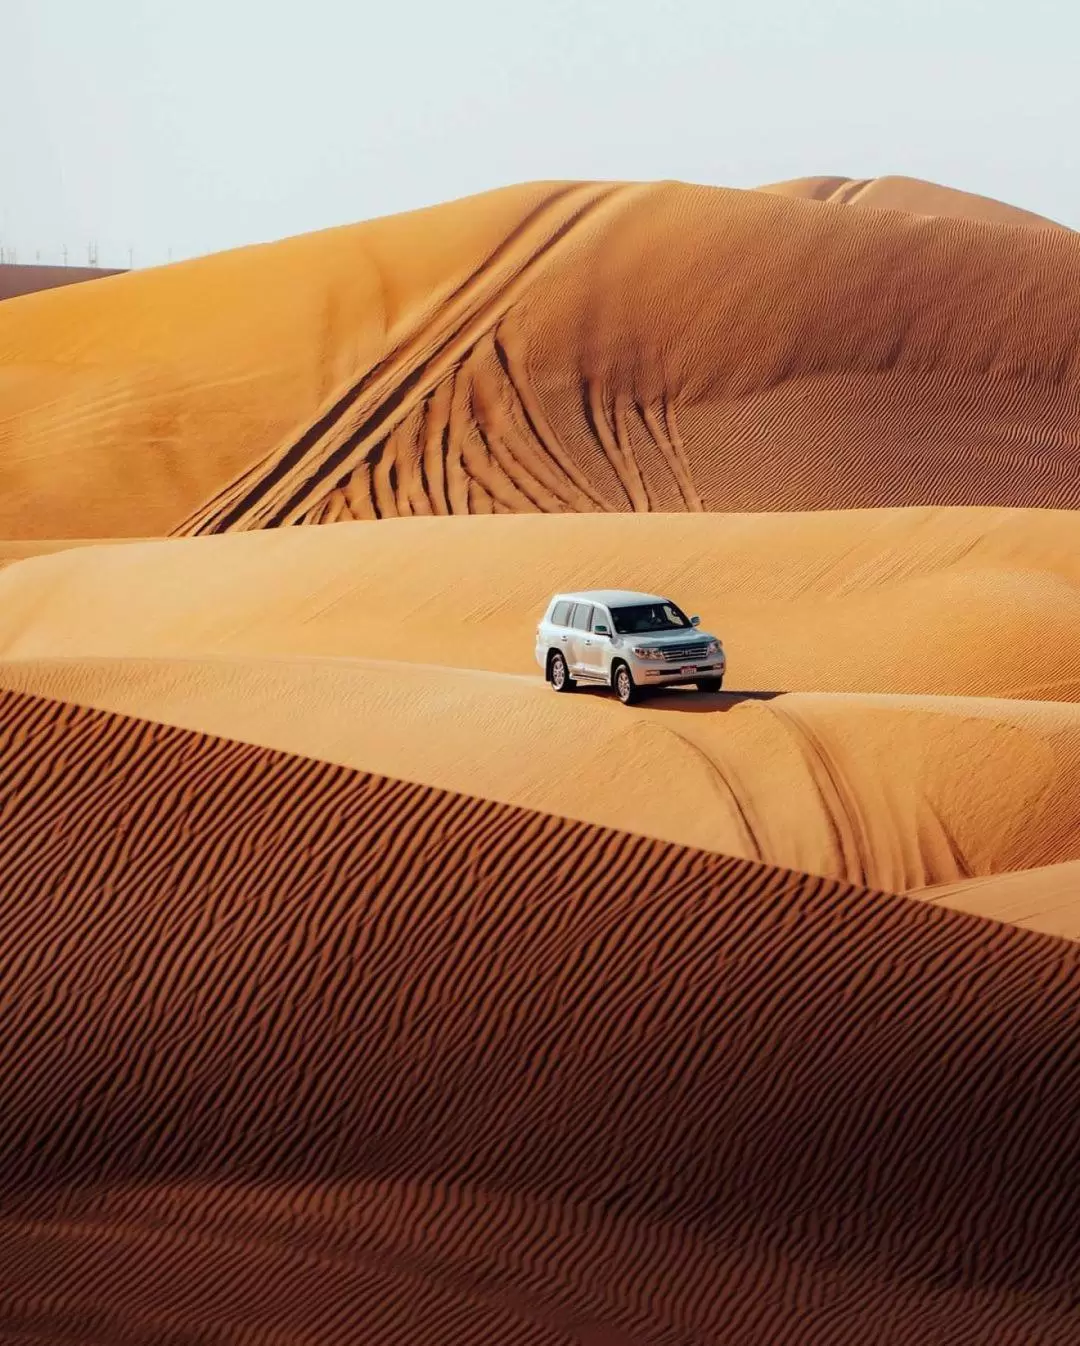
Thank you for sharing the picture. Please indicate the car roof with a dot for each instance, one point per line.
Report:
(613, 597)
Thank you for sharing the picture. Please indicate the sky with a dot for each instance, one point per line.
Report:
(156, 130)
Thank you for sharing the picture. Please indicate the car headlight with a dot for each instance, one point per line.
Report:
(713, 647)
(648, 652)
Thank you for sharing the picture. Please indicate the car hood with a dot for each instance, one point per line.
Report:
(670, 638)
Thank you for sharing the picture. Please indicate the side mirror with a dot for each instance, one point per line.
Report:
(695, 621)
(601, 629)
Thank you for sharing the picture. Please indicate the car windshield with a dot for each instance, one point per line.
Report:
(644, 618)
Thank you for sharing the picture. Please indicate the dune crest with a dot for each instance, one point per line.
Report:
(911, 195)
(862, 788)
(1045, 899)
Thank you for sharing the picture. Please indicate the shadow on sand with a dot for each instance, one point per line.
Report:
(687, 700)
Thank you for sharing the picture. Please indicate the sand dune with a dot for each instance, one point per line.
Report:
(1046, 899)
(552, 348)
(17, 280)
(272, 1070)
(380, 647)
(356, 987)
(936, 602)
(894, 792)
(911, 195)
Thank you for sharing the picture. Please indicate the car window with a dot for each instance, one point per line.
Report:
(582, 617)
(643, 618)
(600, 618)
(561, 614)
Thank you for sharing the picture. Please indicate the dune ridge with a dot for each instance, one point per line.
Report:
(550, 348)
(325, 1090)
(1046, 898)
(894, 792)
(911, 195)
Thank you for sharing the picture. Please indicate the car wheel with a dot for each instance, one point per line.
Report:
(626, 689)
(710, 684)
(559, 674)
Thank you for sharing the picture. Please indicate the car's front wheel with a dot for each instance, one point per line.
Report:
(559, 674)
(710, 684)
(626, 689)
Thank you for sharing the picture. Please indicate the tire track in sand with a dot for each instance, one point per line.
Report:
(298, 474)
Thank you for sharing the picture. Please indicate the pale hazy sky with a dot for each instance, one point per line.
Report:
(194, 125)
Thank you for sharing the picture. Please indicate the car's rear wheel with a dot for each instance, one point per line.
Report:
(710, 684)
(559, 674)
(626, 689)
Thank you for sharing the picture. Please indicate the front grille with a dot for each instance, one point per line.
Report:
(685, 654)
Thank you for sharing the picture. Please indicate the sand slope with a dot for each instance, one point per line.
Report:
(941, 602)
(406, 648)
(896, 792)
(552, 348)
(911, 195)
(1046, 899)
(272, 1071)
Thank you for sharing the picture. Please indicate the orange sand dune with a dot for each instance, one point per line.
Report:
(1046, 899)
(554, 347)
(911, 195)
(271, 1071)
(895, 792)
(939, 602)
(354, 987)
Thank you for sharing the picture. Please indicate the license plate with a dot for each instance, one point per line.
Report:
(688, 668)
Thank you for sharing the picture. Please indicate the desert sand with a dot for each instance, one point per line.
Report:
(1040, 899)
(551, 348)
(857, 641)
(355, 987)
(359, 1061)
(911, 196)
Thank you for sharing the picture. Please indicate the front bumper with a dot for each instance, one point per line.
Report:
(666, 676)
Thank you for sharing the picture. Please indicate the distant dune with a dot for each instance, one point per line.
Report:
(910, 195)
(552, 348)
(19, 279)
(343, 1059)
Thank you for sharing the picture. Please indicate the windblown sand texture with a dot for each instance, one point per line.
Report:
(343, 1059)
(552, 348)
(355, 987)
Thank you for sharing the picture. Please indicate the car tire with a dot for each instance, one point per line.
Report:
(624, 686)
(710, 685)
(559, 674)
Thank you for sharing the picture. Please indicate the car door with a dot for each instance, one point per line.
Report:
(593, 647)
(580, 625)
(558, 630)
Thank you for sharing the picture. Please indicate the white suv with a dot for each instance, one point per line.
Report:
(627, 641)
